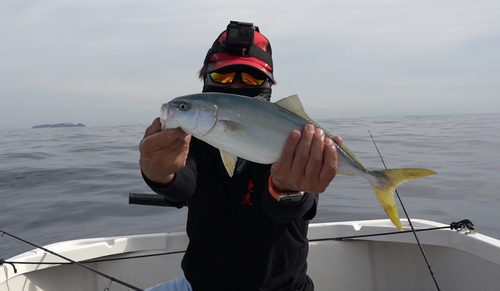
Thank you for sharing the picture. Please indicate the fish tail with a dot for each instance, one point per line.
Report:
(392, 178)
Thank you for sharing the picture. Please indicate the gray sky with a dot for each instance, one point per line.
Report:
(115, 62)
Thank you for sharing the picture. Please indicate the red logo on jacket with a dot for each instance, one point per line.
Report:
(246, 197)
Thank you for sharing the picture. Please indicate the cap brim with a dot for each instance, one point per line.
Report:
(226, 60)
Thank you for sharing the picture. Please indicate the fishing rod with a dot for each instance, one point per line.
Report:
(409, 222)
(112, 279)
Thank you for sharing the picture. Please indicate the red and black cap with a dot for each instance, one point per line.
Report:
(257, 55)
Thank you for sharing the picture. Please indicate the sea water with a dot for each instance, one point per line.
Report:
(60, 184)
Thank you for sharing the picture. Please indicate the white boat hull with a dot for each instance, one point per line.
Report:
(460, 261)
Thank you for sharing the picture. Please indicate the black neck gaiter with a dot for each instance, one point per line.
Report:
(250, 92)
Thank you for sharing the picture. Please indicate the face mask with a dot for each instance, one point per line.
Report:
(250, 92)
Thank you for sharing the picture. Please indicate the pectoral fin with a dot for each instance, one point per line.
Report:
(233, 127)
(229, 161)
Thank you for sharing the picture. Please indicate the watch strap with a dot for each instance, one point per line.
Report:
(284, 196)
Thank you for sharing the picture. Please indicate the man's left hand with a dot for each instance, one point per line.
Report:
(308, 162)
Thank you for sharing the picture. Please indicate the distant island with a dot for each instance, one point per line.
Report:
(72, 124)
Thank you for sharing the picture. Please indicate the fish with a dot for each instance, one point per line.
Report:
(256, 130)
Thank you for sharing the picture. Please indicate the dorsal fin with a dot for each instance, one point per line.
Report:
(293, 104)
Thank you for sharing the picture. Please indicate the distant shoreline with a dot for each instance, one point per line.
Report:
(56, 125)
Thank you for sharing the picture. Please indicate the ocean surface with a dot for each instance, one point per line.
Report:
(60, 184)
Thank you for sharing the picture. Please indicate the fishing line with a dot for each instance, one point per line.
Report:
(74, 262)
(409, 221)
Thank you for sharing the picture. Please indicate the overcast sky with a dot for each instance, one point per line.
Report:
(115, 62)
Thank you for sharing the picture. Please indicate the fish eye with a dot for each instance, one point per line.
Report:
(183, 106)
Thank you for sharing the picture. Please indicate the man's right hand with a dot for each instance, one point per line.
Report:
(163, 153)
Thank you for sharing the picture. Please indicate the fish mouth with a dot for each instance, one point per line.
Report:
(167, 114)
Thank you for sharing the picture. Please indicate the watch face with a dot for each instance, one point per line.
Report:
(290, 197)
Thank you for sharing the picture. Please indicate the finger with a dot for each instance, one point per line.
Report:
(153, 128)
(178, 152)
(338, 140)
(315, 161)
(302, 154)
(330, 165)
(161, 140)
(281, 168)
(284, 163)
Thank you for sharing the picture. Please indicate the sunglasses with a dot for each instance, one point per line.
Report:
(229, 76)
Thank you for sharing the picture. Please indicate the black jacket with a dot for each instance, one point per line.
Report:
(240, 237)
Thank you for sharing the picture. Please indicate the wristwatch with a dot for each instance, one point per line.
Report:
(291, 196)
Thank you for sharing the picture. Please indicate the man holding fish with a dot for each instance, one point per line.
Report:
(247, 221)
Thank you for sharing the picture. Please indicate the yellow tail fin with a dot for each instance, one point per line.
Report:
(385, 192)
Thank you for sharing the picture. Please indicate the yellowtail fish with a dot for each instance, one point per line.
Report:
(257, 130)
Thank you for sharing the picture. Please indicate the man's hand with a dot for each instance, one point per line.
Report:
(163, 152)
(308, 162)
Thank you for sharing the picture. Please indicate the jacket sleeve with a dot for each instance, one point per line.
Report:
(178, 191)
(290, 211)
